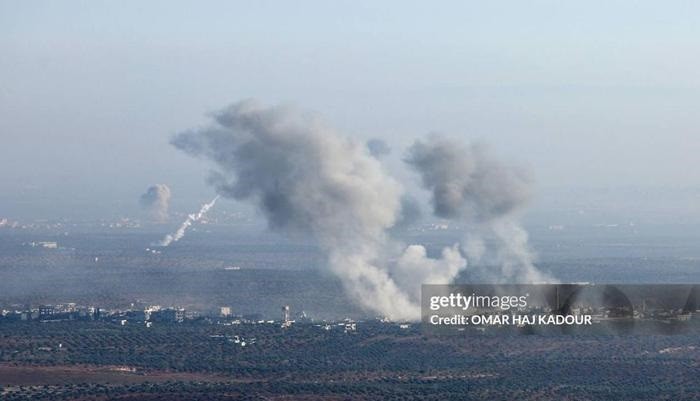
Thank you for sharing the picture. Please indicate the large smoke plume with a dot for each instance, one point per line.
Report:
(470, 186)
(156, 200)
(307, 179)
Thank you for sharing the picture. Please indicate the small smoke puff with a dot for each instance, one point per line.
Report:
(466, 180)
(157, 199)
(378, 148)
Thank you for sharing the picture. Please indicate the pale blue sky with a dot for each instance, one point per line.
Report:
(587, 93)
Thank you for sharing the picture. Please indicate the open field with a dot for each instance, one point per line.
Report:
(379, 361)
(24, 375)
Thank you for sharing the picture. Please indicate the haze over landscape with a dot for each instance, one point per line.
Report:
(489, 121)
(597, 99)
(228, 200)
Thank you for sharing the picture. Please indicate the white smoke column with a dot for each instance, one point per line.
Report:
(469, 186)
(414, 267)
(191, 219)
(156, 199)
(306, 179)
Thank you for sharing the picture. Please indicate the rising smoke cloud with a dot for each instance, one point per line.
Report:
(306, 178)
(469, 186)
(156, 200)
(191, 219)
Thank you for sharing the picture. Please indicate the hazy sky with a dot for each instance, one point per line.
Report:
(589, 94)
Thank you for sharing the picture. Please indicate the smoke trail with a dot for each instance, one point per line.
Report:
(191, 219)
(470, 186)
(156, 200)
(306, 179)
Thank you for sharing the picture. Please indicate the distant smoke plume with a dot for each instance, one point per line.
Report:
(305, 178)
(466, 182)
(378, 148)
(156, 200)
(191, 219)
(469, 186)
